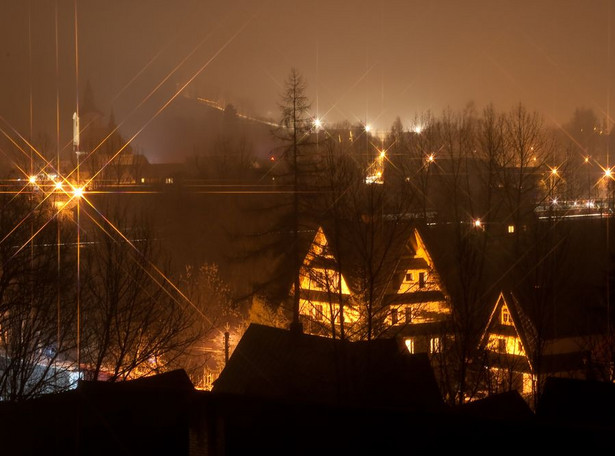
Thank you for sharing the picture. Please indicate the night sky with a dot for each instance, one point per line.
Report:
(364, 61)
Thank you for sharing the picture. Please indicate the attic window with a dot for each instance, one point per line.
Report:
(505, 317)
(511, 229)
(409, 277)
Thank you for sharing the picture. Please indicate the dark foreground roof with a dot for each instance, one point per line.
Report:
(586, 402)
(161, 415)
(276, 363)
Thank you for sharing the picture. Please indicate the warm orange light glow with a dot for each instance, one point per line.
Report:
(78, 192)
(431, 158)
(368, 128)
(32, 179)
(554, 171)
(608, 172)
(586, 159)
(317, 123)
(382, 153)
(59, 185)
(478, 223)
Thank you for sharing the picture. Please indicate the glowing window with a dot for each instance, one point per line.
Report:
(434, 345)
(168, 180)
(511, 229)
(528, 384)
(410, 345)
(505, 317)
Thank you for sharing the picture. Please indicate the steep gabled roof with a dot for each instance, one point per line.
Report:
(372, 253)
(522, 325)
(275, 363)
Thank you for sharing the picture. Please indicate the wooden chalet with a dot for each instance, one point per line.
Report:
(392, 291)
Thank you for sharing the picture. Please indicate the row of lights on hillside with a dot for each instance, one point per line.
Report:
(317, 124)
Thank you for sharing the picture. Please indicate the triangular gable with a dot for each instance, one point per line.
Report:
(418, 258)
(506, 307)
(320, 251)
(318, 247)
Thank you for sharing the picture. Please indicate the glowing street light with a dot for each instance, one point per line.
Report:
(431, 158)
(383, 154)
(317, 123)
(368, 128)
(78, 192)
(32, 179)
(478, 223)
(554, 171)
(608, 173)
(59, 185)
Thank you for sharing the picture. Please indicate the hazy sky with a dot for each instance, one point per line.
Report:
(366, 61)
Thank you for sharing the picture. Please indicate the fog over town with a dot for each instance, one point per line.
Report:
(384, 217)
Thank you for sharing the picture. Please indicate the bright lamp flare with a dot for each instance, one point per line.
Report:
(554, 171)
(368, 128)
(317, 123)
(78, 192)
(59, 185)
(608, 172)
(383, 153)
(431, 158)
(32, 179)
(478, 223)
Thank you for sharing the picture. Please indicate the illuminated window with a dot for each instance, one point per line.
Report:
(410, 345)
(168, 180)
(511, 229)
(421, 280)
(394, 316)
(318, 312)
(505, 317)
(434, 345)
(143, 180)
(409, 277)
(528, 386)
